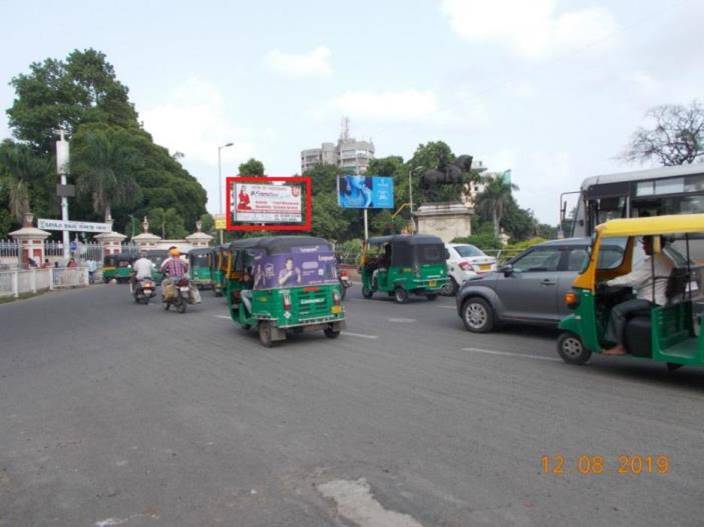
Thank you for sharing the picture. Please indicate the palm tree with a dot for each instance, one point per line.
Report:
(494, 199)
(103, 162)
(20, 168)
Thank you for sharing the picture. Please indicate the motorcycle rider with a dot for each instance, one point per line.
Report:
(142, 268)
(175, 268)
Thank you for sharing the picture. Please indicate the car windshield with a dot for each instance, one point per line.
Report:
(467, 251)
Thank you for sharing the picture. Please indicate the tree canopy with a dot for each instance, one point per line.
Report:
(253, 167)
(676, 136)
(115, 162)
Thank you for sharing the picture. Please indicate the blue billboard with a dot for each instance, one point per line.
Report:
(365, 192)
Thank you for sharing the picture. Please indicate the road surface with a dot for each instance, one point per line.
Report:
(119, 414)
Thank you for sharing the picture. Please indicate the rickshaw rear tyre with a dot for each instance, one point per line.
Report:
(572, 350)
(672, 366)
(400, 295)
(265, 334)
(331, 333)
(366, 292)
(483, 309)
(431, 296)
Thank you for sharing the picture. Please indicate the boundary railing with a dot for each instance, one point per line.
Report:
(18, 282)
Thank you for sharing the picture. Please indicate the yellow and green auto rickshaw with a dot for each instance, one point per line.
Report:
(199, 261)
(668, 333)
(404, 264)
(118, 266)
(284, 284)
(218, 268)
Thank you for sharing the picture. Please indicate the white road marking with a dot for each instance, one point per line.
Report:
(511, 354)
(448, 307)
(403, 320)
(111, 521)
(355, 503)
(360, 335)
(224, 316)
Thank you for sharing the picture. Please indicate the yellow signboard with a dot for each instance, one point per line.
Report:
(220, 224)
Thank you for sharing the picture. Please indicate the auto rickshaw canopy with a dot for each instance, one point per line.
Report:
(632, 228)
(278, 244)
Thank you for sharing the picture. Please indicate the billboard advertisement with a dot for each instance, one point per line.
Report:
(365, 192)
(300, 266)
(263, 203)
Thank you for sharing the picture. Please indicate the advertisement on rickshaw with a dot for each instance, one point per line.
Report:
(301, 266)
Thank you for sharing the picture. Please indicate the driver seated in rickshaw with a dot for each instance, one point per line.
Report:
(648, 278)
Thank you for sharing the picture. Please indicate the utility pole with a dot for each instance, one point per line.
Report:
(220, 182)
(62, 160)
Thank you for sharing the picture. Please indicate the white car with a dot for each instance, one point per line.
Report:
(465, 262)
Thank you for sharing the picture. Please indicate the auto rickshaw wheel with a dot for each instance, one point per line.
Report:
(477, 315)
(331, 333)
(265, 333)
(400, 295)
(450, 288)
(571, 349)
(431, 296)
(366, 292)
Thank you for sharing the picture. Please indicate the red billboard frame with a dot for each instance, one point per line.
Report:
(306, 226)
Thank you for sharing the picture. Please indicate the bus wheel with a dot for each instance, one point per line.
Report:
(265, 333)
(366, 292)
(400, 295)
(571, 349)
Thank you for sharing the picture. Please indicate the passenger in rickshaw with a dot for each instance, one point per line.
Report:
(246, 291)
(649, 279)
(381, 264)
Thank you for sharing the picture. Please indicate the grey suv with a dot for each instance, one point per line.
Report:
(528, 289)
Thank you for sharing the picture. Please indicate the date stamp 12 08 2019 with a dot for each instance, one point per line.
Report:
(626, 464)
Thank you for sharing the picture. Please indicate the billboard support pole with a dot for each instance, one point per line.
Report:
(366, 226)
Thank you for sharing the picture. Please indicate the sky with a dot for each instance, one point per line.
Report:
(551, 89)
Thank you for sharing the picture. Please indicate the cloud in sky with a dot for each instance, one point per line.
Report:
(315, 63)
(459, 107)
(532, 29)
(193, 120)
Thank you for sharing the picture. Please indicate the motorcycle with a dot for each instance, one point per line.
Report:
(345, 282)
(143, 291)
(178, 298)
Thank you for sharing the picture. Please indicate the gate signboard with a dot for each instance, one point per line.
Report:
(70, 225)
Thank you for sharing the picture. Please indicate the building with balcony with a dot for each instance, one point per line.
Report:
(348, 153)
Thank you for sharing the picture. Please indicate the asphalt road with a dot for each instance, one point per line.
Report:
(118, 414)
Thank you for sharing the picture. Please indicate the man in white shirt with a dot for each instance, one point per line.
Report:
(142, 268)
(649, 286)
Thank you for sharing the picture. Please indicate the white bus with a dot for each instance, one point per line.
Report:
(652, 192)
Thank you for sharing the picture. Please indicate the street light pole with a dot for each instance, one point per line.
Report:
(220, 181)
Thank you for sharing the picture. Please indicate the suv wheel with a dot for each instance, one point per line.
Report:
(477, 315)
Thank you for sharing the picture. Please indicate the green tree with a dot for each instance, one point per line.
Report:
(494, 200)
(167, 223)
(20, 170)
(252, 167)
(104, 164)
(207, 223)
(57, 93)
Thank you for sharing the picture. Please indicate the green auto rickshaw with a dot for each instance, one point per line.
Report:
(404, 264)
(664, 328)
(284, 284)
(118, 266)
(157, 257)
(109, 267)
(218, 267)
(199, 261)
